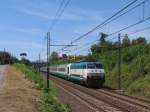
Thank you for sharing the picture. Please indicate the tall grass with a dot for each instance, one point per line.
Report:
(135, 70)
(48, 101)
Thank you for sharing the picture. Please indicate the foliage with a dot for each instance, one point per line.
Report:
(141, 40)
(53, 57)
(25, 61)
(126, 41)
(7, 58)
(33, 75)
(48, 101)
(135, 64)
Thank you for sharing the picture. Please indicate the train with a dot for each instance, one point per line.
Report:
(91, 74)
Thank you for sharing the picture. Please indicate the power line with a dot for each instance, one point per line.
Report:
(137, 31)
(124, 29)
(125, 12)
(59, 13)
(89, 43)
(80, 50)
(95, 28)
(129, 26)
(103, 23)
(107, 21)
(55, 17)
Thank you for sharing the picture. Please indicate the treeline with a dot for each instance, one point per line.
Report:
(107, 52)
(98, 49)
(105, 45)
(7, 58)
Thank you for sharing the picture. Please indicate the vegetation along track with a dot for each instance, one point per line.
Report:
(108, 99)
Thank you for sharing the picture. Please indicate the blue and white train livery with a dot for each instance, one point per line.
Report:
(90, 73)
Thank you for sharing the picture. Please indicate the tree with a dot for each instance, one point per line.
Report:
(7, 58)
(90, 57)
(53, 57)
(134, 42)
(141, 40)
(126, 41)
(95, 49)
(25, 61)
(102, 38)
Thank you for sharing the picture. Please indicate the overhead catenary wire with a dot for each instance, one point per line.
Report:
(112, 19)
(57, 16)
(95, 28)
(137, 31)
(117, 17)
(59, 13)
(139, 22)
(103, 23)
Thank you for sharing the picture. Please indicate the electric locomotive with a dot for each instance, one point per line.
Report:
(90, 73)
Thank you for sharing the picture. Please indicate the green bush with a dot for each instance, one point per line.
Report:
(135, 69)
(140, 86)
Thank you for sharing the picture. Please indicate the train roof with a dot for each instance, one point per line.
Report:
(85, 62)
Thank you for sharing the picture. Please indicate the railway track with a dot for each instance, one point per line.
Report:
(133, 100)
(103, 100)
(132, 97)
(91, 102)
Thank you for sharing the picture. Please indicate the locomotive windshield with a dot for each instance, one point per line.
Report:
(91, 66)
(94, 66)
(99, 65)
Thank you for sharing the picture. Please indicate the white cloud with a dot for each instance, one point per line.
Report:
(22, 44)
(32, 31)
(39, 14)
(73, 15)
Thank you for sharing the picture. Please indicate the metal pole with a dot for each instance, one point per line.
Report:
(49, 54)
(39, 62)
(119, 62)
(4, 56)
(48, 61)
(49, 51)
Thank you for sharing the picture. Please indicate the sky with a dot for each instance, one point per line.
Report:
(24, 23)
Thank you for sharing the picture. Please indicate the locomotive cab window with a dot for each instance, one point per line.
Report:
(99, 66)
(91, 66)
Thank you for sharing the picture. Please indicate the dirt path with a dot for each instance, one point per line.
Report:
(2, 69)
(17, 94)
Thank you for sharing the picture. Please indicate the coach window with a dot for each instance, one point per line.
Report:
(68, 70)
(84, 66)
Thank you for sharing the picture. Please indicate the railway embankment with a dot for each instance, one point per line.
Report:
(135, 67)
(48, 100)
(135, 70)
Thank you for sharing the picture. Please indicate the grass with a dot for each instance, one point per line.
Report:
(135, 70)
(48, 101)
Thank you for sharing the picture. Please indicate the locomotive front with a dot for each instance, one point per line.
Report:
(95, 74)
